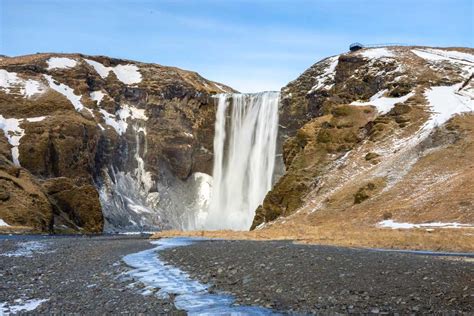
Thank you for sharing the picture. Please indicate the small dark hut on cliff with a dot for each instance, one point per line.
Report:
(355, 46)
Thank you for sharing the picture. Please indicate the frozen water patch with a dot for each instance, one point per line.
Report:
(383, 104)
(20, 306)
(398, 225)
(28, 249)
(374, 53)
(128, 74)
(61, 63)
(191, 296)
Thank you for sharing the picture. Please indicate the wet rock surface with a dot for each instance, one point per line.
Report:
(76, 275)
(324, 279)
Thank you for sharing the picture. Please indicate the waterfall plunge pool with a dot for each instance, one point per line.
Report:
(191, 296)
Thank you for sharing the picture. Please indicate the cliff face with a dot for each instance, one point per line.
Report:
(85, 134)
(377, 134)
(91, 143)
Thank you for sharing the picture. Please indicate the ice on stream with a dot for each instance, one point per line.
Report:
(191, 296)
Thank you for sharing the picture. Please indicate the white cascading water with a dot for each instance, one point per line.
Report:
(244, 158)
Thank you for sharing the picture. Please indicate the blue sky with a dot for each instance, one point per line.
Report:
(250, 45)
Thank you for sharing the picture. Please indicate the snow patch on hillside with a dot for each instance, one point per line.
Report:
(444, 55)
(26, 88)
(326, 76)
(115, 121)
(32, 87)
(398, 225)
(128, 74)
(445, 101)
(67, 91)
(374, 53)
(61, 63)
(2, 223)
(13, 132)
(118, 121)
(35, 119)
(8, 80)
(382, 103)
(97, 96)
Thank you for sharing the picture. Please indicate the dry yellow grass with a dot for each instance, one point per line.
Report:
(459, 240)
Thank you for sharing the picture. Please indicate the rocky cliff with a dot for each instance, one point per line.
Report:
(377, 134)
(90, 142)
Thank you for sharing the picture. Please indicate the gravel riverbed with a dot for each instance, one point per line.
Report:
(323, 279)
(78, 275)
(83, 275)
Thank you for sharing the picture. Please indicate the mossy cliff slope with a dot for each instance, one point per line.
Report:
(73, 125)
(382, 133)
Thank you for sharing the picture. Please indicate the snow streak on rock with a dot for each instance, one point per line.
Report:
(13, 132)
(326, 79)
(398, 225)
(382, 103)
(67, 91)
(2, 223)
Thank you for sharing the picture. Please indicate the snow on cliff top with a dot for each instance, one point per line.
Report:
(128, 74)
(61, 63)
(372, 53)
(432, 54)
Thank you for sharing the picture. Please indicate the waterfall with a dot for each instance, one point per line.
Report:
(244, 158)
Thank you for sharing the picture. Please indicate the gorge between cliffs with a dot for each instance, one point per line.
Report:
(176, 180)
(94, 144)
